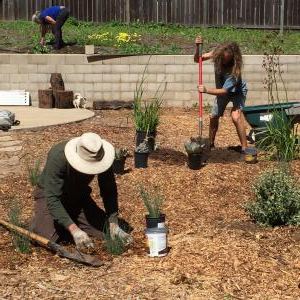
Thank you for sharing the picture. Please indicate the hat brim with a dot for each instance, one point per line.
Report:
(86, 167)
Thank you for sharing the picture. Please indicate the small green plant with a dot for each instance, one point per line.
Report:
(114, 245)
(153, 201)
(193, 146)
(277, 199)
(143, 147)
(20, 242)
(121, 152)
(34, 173)
(280, 140)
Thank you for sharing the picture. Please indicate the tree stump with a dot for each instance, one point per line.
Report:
(57, 82)
(63, 99)
(46, 98)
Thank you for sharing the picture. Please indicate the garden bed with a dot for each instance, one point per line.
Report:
(216, 251)
(137, 38)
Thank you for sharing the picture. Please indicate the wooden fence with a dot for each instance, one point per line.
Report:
(240, 13)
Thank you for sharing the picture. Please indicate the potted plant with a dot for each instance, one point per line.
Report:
(153, 202)
(194, 149)
(120, 158)
(146, 114)
(141, 154)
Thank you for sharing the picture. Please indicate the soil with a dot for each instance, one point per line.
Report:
(216, 251)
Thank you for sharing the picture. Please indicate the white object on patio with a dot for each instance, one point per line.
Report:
(14, 97)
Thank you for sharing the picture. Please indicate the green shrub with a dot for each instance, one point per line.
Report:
(277, 199)
(20, 242)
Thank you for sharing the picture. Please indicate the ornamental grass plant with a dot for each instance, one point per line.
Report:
(146, 114)
(153, 202)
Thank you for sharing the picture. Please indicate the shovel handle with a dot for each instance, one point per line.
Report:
(200, 83)
(31, 235)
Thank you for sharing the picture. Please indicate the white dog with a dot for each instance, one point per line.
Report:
(79, 101)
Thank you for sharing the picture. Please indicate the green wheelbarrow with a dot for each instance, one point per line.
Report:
(259, 116)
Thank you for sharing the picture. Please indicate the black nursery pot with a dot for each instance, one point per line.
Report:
(141, 136)
(119, 165)
(156, 222)
(141, 160)
(194, 161)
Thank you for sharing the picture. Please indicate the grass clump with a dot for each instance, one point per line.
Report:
(146, 114)
(21, 242)
(153, 202)
(114, 245)
(280, 140)
(34, 173)
(277, 199)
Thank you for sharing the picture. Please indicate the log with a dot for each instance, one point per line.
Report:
(57, 82)
(46, 98)
(114, 104)
(63, 99)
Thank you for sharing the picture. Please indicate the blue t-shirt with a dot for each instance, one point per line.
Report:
(52, 12)
(235, 88)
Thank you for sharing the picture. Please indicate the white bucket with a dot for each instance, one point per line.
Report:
(157, 241)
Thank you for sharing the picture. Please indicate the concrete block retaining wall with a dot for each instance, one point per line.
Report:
(115, 79)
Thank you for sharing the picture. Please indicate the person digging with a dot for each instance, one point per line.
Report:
(64, 207)
(53, 17)
(230, 87)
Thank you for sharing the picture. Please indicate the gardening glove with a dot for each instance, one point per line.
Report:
(199, 40)
(81, 239)
(42, 42)
(116, 231)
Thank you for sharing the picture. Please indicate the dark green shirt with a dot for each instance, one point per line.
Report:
(64, 186)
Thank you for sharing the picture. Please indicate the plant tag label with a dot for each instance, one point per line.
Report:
(161, 225)
(266, 117)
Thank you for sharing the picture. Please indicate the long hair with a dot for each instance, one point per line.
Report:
(234, 66)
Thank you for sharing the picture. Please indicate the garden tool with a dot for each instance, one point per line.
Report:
(61, 251)
(200, 94)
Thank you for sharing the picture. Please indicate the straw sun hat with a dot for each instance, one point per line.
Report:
(89, 154)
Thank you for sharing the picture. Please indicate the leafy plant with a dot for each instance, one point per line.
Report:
(193, 146)
(121, 152)
(143, 147)
(20, 242)
(153, 202)
(277, 198)
(34, 173)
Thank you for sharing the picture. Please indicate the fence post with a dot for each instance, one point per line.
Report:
(205, 7)
(281, 17)
(127, 11)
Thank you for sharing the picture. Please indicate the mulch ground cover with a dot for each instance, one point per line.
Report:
(216, 251)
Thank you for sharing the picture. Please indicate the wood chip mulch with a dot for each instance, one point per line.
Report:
(216, 251)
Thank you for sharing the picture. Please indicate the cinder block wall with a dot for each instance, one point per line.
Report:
(115, 79)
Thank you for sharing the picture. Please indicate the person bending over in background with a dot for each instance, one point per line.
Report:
(54, 16)
(230, 87)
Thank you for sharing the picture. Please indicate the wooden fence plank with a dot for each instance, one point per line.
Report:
(246, 13)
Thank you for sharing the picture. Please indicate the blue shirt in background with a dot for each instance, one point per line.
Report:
(52, 12)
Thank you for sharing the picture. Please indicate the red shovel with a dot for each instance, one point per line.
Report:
(200, 94)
